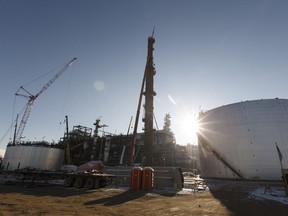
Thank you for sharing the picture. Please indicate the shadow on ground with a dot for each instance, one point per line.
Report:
(126, 196)
(44, 190)
(235, 197)
(121, 198)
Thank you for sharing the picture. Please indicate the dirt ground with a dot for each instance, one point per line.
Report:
(58, 200)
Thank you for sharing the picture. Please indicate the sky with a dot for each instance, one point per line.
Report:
(208, 53)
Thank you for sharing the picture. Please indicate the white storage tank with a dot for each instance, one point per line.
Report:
(33, 156)
(240, 140)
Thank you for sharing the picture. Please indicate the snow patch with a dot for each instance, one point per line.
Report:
(277, 194)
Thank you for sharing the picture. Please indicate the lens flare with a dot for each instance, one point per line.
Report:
(186, 128)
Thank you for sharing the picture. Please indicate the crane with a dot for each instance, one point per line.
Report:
(31, 98)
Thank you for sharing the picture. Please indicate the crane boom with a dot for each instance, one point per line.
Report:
(32, 98)
(24, 120)
(55, 77)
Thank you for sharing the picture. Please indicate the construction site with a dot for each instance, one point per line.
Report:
(114, 174)
(152, 147)
(117, 154)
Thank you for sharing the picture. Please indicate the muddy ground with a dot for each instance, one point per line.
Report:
(58, 200)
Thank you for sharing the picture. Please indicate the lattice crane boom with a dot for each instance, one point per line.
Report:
(55, 77)
(31, 98)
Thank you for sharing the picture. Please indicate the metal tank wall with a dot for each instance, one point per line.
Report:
(239, 140)
(39, 157)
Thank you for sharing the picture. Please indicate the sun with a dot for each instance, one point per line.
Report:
(190, 124)
(187, 128)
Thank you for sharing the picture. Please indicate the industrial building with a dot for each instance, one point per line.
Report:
(114, 150)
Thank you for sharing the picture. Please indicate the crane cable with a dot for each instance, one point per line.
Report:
(13, 121)
(43, 75)
(67, 90)
(66, 99)
(156, 122)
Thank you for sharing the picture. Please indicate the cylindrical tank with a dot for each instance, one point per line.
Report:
(32, 156)
(239, 140)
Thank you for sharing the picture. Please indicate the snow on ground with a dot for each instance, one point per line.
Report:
(277, 194)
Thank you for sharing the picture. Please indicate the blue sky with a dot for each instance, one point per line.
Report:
(208, 53)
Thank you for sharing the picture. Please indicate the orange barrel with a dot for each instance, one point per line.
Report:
(136, 178)
(148, 178)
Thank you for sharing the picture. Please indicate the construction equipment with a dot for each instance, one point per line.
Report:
(31, 98)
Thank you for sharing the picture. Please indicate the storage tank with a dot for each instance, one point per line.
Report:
(33, 156)
(239, 141)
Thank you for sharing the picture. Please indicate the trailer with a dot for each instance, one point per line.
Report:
(90, 180)
(78, 179)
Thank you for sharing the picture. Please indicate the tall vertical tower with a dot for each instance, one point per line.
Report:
(148, 107)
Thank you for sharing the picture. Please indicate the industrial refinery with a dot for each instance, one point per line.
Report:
(82, 144)
(144, 108)
(241, 141)
(245, 140)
